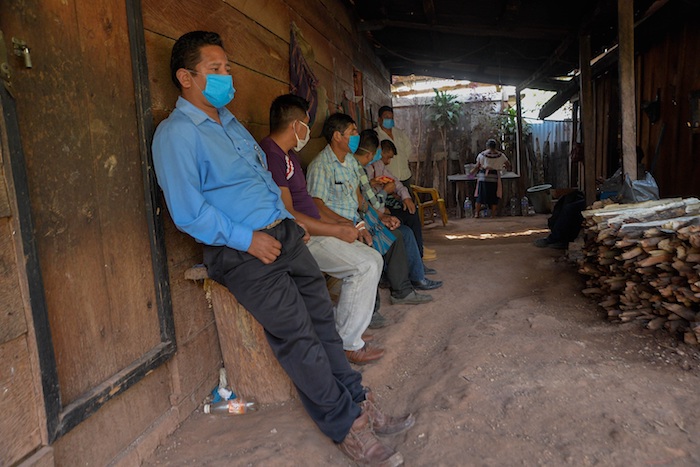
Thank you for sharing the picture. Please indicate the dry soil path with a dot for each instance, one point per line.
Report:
(510, 365)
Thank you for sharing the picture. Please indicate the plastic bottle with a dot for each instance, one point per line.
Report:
(524, 206)
(233, 407)
(514, 206)
(468, 207)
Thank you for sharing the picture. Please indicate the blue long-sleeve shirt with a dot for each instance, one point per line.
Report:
(214, 177)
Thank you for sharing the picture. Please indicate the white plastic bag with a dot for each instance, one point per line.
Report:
(637, 191)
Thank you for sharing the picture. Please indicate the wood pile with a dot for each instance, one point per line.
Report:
(643, 263)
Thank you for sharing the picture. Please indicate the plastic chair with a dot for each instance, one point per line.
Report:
(430, 204)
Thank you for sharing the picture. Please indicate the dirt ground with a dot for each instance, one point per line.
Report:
(509, 365)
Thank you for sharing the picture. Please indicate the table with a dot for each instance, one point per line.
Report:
(465, 184)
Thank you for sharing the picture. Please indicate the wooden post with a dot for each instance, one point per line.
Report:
(625, 22)
(587, 117)
(522, 183)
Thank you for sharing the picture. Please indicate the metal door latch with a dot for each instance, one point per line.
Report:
(21, 50)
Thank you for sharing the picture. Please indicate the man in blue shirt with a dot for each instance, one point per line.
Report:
(219, 191)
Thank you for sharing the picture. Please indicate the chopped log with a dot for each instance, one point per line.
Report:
(656, 323)
(643, 262)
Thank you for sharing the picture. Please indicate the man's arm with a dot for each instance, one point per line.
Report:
(175, 162)
(346, 231)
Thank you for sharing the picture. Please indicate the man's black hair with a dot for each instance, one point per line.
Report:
(388, 145)
(286, 109)
(491, 144)
(186, 51)
(384, 108)
(369, 141)
(336, 122)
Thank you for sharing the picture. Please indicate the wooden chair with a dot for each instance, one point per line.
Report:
(430, 203)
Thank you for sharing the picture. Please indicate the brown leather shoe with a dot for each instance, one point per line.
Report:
(362, 446)
(366, 354)
(384, 424)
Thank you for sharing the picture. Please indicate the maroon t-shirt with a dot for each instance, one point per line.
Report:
(286, 171)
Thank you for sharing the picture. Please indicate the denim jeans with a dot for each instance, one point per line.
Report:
(416, 271)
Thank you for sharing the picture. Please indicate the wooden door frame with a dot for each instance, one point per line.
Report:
(59, 419)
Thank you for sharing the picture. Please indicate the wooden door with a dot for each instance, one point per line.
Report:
(84, 135)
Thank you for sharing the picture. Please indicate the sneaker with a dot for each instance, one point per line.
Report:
(545, 243)
(377, 321)
(426, 284)
(362, 446)
(414, 298)
(541, 242)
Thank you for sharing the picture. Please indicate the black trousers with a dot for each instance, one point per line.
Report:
(290, 300)
(396, 267)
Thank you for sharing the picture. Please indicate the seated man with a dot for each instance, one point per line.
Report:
(334, 183)
(565, 222)
(218, 190)
(334, 241)
(369, 144)
(397, 197)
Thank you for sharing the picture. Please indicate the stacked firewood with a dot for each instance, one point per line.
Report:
(643, 263)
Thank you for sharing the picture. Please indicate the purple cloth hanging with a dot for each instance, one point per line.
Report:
(302, 80)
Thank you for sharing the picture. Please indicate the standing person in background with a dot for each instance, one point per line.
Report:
(404, 148)
(489, 189)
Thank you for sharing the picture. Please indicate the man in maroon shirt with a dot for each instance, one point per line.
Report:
(335, 241)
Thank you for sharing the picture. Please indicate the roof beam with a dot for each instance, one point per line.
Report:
(429, 10)
(474, 31)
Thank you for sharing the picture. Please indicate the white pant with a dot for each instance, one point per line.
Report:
(359, 267)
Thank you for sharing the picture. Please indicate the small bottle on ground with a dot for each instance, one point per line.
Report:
(514, 206)
(524, 206)
(468, 207)
(234, 407)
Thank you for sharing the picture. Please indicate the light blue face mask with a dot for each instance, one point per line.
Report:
(354, 143)
(388, 123)
(219, 90)
(377, 156)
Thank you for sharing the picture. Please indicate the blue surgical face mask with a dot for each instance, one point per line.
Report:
(377, 156)
(219, 90)
(388, 123)
(354, 143)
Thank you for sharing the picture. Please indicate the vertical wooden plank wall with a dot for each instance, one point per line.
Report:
(256, 37)
(21, 423)
(671, 68)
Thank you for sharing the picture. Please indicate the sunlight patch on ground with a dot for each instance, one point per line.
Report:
(489, 236)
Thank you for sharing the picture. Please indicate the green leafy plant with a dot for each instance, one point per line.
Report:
(445, 112)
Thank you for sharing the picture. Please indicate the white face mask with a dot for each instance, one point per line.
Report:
(302, 142)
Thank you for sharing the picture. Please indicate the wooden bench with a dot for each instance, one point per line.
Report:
(251, 367)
